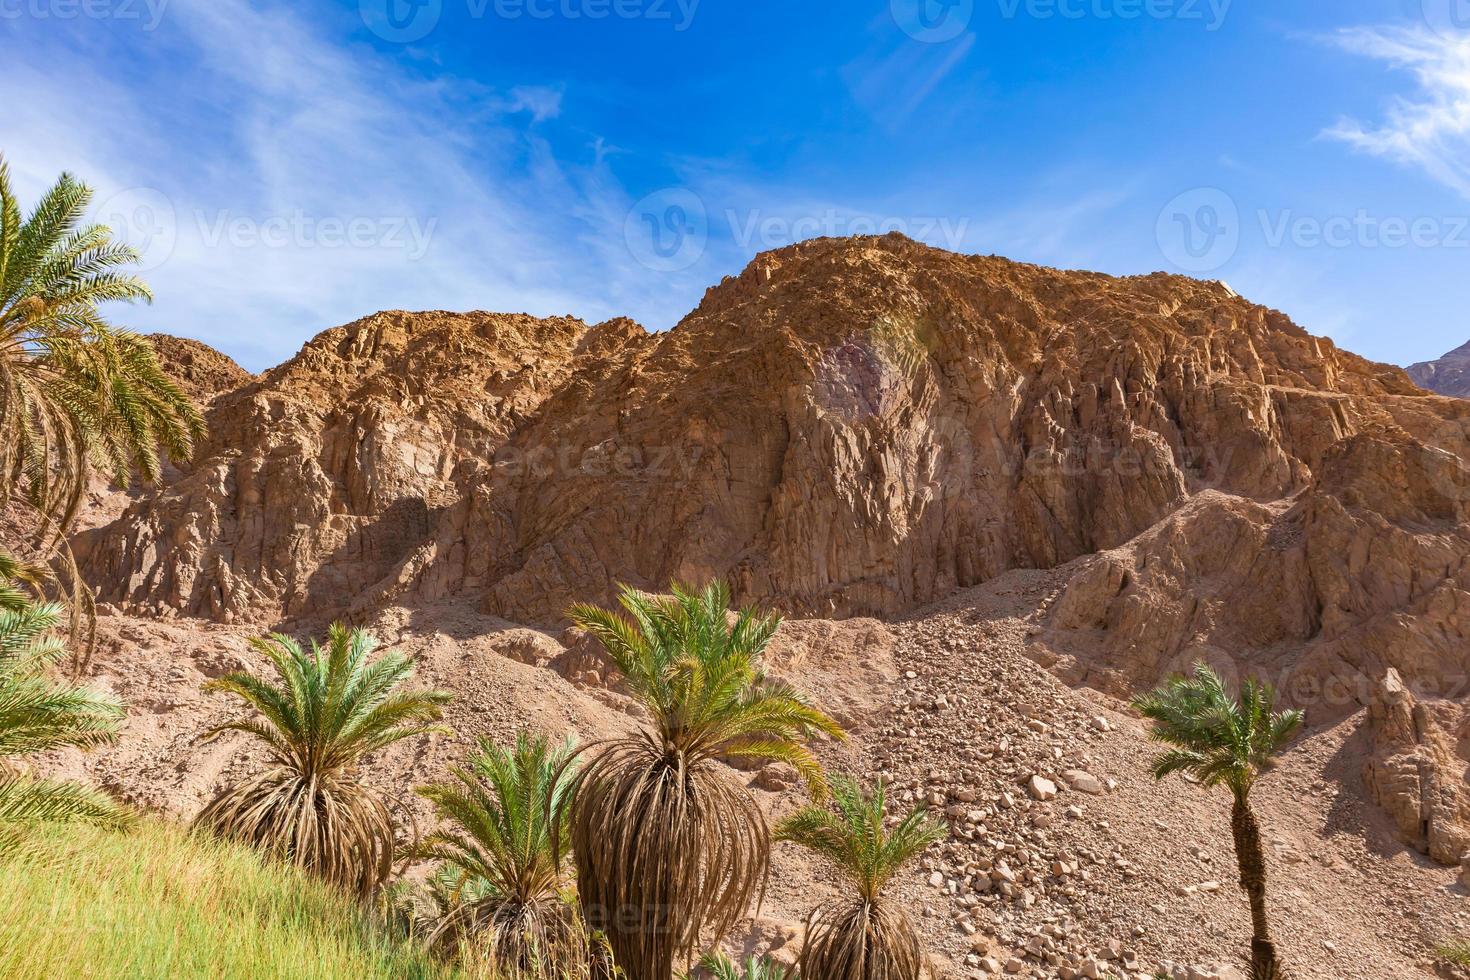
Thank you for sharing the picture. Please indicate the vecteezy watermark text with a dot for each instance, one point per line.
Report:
(147, 219)
(669, 230)
(406, 21)
(148, 12)
(1210, 13)
(942, 21)
(1202, 230)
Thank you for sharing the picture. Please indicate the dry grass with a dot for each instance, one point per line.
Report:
(157, 902)
(1457, 952)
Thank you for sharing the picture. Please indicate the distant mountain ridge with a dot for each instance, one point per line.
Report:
(1449, 375)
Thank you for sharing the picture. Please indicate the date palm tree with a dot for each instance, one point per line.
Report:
(330, 707)
(1230, 742)
(74, 390)
(861, 936)
(37, 714)
(504, 869)
(718, 966)
(668, 846)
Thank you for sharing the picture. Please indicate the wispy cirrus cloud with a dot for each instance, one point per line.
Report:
(1430, 129)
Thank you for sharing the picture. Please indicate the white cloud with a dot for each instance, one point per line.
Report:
(262, 144)
(1431, 129)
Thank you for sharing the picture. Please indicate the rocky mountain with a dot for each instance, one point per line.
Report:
(1449, 375)
(955, 471)
(199, 369)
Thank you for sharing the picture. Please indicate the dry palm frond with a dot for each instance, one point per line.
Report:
(668, 846)
(20, 583)
(861, 940)
(333, 705)
(666, 849)
(862, 937)
(503, 874)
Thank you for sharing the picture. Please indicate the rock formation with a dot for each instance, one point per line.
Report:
(1449, 375)
(1415, 773)
(203, 372)
(852, 428)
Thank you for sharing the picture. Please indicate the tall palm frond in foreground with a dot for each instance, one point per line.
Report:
(74, 390)
(331, 706)
(1230, 742)
(668, 846)
(37, 714)
(861, 936)
(504, 869)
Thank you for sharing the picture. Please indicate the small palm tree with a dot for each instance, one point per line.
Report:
(718, 966)
(1224, 741)
(668, 846)
(75, 390)
(332, 706)
(863, 936)
(504, 871)
(37, 714)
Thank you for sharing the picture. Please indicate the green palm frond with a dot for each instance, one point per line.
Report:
(700, 677)
(26, 800)
(326, 709)
(718, 966)
(855, 838)
(862, 935)
(38, 713)
(75, 392)
(503, 862)
(507, 817)
(1218, 739)
(670, 850)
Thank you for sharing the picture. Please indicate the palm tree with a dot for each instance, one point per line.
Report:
(718, 966)
(863, 936)
(332, 706)
(1228, 742)
(504, 871)
(75, 390)
(667, 845)
(37, 714)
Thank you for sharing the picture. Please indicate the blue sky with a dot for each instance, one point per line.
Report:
(289, 167)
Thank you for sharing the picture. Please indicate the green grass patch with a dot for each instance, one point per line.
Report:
(1457, 952)
(156, 902)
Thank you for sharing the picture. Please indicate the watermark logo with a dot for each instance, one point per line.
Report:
(933, 21)
(756, 231)
(144, 218)
(1448, 18)
(679, 13)
(301, 230)
(147, 12)
(1210, 13)
(406, 21)
(668, 231)
(147, 219)
(401, 21)
(1199, 231)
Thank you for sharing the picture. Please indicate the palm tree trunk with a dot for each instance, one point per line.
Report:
(1252, 862)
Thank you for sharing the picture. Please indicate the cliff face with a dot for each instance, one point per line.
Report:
(848, 427)
(1449, 375)
(322, 475)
